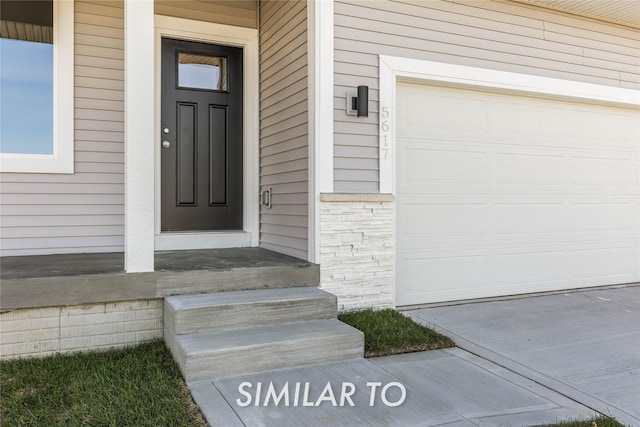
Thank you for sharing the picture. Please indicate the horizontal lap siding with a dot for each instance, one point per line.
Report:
(240, 13)
(498, 35)
(84, 211)
(284, 126)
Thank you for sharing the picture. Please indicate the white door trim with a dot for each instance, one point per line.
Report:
(246, 38)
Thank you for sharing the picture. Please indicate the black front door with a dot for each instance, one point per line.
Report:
(201, 117)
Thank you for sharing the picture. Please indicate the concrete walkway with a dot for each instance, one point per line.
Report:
(522, 362)
(445, 387)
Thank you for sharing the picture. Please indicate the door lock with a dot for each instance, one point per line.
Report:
(166, 144)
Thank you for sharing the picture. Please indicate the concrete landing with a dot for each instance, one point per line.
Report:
(585, 345)
(71, 279)
(29, 267)
(442, 388)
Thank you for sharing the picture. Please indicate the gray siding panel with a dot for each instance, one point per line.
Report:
(84, 211)
(499, 35)
(284, 126)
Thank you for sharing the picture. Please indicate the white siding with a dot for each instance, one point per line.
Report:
(241, 13)
(488, 34)
(284, 126)
(82, 212)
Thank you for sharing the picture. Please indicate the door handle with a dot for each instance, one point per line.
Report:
(166, 144)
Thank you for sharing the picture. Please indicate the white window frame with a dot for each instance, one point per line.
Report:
(61, 161)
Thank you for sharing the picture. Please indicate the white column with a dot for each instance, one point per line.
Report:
(139, 135)
(320, 58)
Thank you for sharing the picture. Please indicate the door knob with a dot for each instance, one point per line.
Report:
(166, 144)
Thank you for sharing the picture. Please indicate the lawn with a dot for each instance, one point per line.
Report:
(388, 332)
(601, 421)
(136, 386)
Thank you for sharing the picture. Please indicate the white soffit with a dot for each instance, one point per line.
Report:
(624, 12)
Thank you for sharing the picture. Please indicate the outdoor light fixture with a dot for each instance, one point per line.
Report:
(358, 103)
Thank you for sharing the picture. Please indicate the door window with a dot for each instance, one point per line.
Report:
(202, 72)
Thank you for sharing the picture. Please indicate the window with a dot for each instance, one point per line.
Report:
(202, 72)
(36, 86)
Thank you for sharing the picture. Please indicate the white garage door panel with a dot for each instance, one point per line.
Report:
(502, 194)
(529, 168)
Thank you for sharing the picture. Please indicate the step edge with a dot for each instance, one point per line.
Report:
(256, 346)
(175, 298)
(345, 330)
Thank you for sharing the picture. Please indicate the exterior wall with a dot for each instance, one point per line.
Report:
(499, 35)
(239, 13)
(80, 212)
(46, 331)
(356, 249)
(284, 126)
(84, 211)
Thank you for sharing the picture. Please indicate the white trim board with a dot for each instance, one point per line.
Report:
(246, 38)
(394, 68)
(61, 161)
(320, 102)
(138, 136)
(205, 240)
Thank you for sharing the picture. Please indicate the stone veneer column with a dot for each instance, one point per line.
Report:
(356, 249)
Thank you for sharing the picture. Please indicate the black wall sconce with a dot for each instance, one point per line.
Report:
(358, 103)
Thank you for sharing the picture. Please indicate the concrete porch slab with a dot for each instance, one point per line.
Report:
(72, 279)
(29, 267)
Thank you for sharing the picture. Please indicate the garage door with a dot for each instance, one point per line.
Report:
(501, 194)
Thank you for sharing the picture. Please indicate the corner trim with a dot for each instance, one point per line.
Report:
(320, 105)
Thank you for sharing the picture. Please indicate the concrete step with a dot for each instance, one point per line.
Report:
(244, 309)
(219, 354)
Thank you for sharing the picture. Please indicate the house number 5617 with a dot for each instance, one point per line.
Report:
(384, 127)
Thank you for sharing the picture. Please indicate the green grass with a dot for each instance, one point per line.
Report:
(601, 421)
(137, 386)
(388, 332)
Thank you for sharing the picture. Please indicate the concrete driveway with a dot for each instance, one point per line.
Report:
(584, 345)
